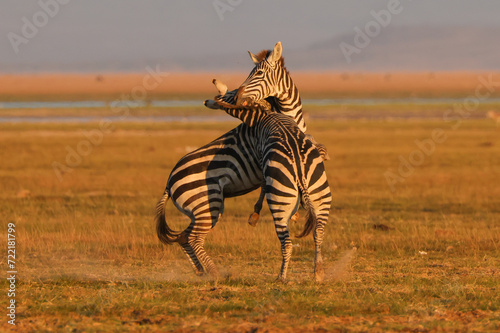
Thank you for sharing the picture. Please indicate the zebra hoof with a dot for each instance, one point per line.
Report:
(295, 217)
(319, 272)
(282, 280)
(319, 276)
(253, 219)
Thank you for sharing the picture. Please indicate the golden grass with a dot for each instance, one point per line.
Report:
(110, 86)
(89, 259)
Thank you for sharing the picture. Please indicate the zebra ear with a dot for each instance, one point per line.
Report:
(276, 54)
(221, 87)
(254, 58)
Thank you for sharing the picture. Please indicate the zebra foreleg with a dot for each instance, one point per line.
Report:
(254, 217)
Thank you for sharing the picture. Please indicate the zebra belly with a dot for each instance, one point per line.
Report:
(235, 189)
(211, 180)
(196, 191)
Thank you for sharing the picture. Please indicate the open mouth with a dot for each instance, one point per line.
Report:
(246, 101)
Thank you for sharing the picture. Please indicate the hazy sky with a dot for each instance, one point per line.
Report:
(95, 34)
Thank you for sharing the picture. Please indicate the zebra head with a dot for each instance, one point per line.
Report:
(265, 79)
(226, 99)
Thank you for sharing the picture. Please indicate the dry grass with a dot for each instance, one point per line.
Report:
(88, 257)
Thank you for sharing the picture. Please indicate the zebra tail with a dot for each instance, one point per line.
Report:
(164, 232)
(311, 219)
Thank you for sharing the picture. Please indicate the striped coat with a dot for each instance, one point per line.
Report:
(293, 172)
(198, 184)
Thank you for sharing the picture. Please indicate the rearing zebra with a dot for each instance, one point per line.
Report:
(293, 171)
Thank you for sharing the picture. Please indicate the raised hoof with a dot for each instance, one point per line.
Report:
(253, 219)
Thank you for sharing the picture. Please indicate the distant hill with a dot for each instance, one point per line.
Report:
(408, 49)
(396, 48)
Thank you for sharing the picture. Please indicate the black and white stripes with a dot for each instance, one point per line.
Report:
(271, 78)
(232, 165)
(293, 172)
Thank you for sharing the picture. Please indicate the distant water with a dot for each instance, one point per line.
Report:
(96, 104)
(392, 101)
(194, 103)
(191, 103)
(142, 119)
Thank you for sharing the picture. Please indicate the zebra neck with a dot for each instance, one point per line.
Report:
(289, 103)
(248, 116)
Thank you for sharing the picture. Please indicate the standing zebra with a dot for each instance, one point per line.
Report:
(293, 171)
(270, 81)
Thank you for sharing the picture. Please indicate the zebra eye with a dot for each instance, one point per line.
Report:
(260, 72)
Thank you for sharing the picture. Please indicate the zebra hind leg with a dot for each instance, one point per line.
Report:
(319, 271)
(323, 204)
(193, 247)
(282, 210)
(190, 253)
(192, 241)
(286, 251)
(197, 243)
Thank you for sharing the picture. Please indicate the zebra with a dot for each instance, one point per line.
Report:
(199, 183)
(293, 171)
(201, 180)
(270, 78)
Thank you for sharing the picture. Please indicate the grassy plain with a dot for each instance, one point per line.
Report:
(422, 258)
(179, 85)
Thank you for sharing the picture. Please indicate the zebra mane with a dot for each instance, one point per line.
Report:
(265, 53)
